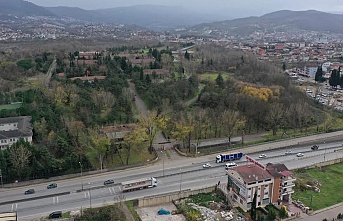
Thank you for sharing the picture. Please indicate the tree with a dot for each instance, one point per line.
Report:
(26, 64)
(232, 121)
(275, 116)
(253, 207)
(283, 66)
(319, 74)
(283, 212)
(133, 139)
(220, 80)
(152, 123)
(271, 215)
(187, 55)
(98, 148)
(334, 79)
(19, 157)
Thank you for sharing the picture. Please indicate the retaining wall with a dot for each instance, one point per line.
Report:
(169, 197)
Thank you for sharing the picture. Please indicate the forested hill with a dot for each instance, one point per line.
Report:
(22, 8)
(285, 20)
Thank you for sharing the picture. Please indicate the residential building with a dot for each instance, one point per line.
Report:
(283, 183)
(244, 181)
(14, 128)
(272, 184)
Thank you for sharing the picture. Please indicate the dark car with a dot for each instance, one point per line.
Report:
(52, 186)
(55, 215)
(315, 147)
(108, 182)
(30, 191)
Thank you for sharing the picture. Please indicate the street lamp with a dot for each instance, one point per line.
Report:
(180, 180)
(81, 176)
(90, 195)
(163, 161)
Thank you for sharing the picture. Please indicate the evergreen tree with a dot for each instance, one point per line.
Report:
(187, 56)
(220, 81)
(284, 66)
(319, 74)
(253, 207)
(148, 79)
(334, 79)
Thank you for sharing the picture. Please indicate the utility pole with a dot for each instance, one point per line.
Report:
(2, 184)
(81, 176)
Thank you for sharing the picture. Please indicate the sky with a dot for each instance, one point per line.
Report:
(235, 8)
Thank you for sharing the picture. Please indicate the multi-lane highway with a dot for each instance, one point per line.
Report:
(172, 176)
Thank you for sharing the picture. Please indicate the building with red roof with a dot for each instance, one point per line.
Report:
(272, 183)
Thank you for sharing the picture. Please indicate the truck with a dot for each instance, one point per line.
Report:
(228, 157)
(133, 185)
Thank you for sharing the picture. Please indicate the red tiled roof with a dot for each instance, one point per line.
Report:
(286, 173)
(252, 173)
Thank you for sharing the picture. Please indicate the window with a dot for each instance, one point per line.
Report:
(10, 139)
(249, 189)
(268, 180)
(261, 181)
(265, 185)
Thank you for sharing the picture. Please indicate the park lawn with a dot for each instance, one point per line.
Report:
(10, 106)
(330, 178)
(212, 76)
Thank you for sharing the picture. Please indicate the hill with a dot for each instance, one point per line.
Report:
(151, 16)
(285, 20)
(22, 8)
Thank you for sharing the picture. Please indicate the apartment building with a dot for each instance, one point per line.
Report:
(14, 128)
(273, 183)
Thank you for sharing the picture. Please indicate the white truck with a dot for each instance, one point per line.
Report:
(138, 184)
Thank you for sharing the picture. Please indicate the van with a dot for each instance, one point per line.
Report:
(55, 215)
(229, 165)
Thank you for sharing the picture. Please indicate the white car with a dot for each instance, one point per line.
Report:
(262, 156)
(288, 152)
(229, 165)
(206, 165)
(300, 154)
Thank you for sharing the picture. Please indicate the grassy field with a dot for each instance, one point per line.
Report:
(10, 106)
(212, 76)
(331, 181)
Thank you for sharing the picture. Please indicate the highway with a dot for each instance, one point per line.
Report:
(186, 173)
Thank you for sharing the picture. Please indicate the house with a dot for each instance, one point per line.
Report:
(273, 183)
(14, 128)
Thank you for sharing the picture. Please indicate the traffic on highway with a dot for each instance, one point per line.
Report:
(173, 176)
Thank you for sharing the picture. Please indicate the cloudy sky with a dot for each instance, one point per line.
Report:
(237, 8)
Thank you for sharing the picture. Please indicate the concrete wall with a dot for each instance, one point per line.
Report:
(169, 197)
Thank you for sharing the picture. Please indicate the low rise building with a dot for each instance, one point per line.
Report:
(13, 129)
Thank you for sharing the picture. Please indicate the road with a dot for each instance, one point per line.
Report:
(187, 174)
(49, 73)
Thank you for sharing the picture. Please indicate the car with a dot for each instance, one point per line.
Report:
(262, 156)
(52, 186)
(206, 165)
(108, 182)
(315, 147)
(29, 191)
(288, 152)
(300, 154)
(55, 215)
(229, 165)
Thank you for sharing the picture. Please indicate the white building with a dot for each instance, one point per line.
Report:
(14, 128)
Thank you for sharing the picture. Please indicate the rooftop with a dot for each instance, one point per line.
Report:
(251, 173)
